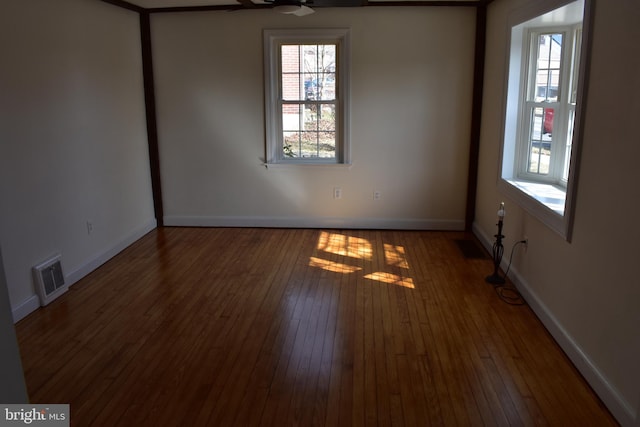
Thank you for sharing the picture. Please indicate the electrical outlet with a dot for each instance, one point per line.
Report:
(89, 227)
(337, 193)
(526, 242)
(377, 195)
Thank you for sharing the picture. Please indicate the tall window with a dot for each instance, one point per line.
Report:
(548, 105)
(306, 83)
(545, 90)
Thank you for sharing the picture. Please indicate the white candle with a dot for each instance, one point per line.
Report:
(501, 212)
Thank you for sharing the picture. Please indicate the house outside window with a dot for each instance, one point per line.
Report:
(307, 105)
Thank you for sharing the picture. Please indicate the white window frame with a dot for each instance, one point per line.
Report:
(549, 199)
(273, 40)
(563, 108)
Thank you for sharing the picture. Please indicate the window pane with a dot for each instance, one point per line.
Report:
(320, 57)
(291, 116)
(311, 87)
(308, 72)
(309, 130)
(542, 84)
(554, 83)
(321, 86)
(291, 87)
(547, 80)
(543, 52)
(290, 64)
(320, 67)
(290, 58)
(556, 50)
(539, 156)
(329, 86)
(327, 131)
(327, 57)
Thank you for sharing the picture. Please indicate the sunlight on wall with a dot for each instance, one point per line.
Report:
(362, 250)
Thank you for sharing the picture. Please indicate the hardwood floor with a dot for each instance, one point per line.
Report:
(283, 327)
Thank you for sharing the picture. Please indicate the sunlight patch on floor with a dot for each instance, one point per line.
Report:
(333, 266)
(356, 248)
(391, 279)
(340, 244)
(394, 255)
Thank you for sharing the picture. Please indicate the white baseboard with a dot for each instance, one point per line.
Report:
(105, 256)
(27, 306)
(318, 222)
(619, 407)
(33, 303)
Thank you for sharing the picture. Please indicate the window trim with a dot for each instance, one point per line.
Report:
(563, 108)
(519, 190)
(273, 39)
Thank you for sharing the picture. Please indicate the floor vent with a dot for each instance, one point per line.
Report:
(470, 249)
(49, 280)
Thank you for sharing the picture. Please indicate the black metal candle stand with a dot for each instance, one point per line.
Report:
(498, 250)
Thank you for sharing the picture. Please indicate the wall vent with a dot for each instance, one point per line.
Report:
(49, 280)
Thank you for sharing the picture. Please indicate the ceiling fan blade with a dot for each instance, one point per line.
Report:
(293, 9)
(303, 10)
(339, 3)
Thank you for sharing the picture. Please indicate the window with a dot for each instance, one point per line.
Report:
(546, 133)
(307, 105)
(544, 96)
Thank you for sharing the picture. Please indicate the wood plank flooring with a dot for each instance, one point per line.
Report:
(293, 327)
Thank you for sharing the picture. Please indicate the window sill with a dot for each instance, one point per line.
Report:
(308, 165)
(551, 196)
(545, 202)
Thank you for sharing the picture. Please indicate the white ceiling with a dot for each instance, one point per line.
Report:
(180, 3)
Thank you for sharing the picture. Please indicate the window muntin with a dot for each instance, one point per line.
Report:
(306, 83)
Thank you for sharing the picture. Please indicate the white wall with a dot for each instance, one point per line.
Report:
(73, 138)
(411, 84)
(587, 292)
